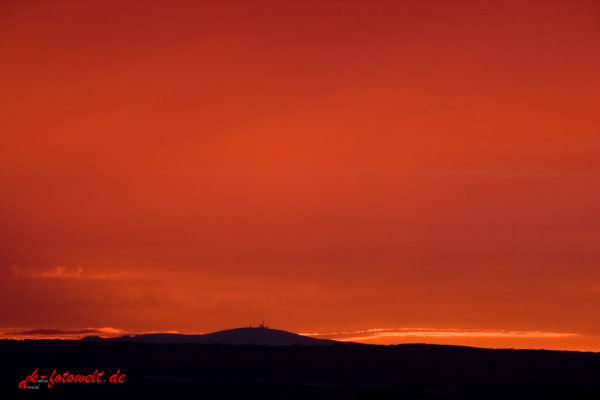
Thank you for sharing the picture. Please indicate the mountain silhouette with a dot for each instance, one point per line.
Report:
(239, 336)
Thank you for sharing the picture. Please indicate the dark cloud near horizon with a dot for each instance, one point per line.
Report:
(56, 332)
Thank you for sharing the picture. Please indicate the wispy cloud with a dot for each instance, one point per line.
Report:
(72, 334)
(59, 272)
(15, 333)
(434, 333)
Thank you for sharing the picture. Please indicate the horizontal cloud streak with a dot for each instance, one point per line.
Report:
(58, 272)
(14, 333)
(434, 333)
(19, 333)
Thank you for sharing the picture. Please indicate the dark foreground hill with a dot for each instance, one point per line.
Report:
(257, 336)
(217, 371)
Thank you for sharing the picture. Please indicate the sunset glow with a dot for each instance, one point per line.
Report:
(330, 166)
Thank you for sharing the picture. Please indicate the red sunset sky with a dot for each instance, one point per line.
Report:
(331, 166)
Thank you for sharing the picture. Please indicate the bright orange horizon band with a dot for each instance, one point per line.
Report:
(329, 166)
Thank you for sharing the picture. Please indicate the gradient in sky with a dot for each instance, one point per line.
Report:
(422, 167)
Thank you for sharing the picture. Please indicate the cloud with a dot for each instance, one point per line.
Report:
(48, 332)
(59, 272)
(434, 333)
(68, 334)
(16, 333)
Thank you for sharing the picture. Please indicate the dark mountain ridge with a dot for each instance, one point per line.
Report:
(239, 336)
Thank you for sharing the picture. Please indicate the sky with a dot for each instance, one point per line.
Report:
(380, 171)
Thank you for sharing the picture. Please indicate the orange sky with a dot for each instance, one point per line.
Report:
(331, 166)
